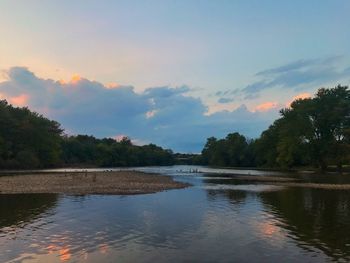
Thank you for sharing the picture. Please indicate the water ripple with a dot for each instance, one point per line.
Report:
(215, 221)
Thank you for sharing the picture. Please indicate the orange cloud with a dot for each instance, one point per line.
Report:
(20, 100)
(266, 106)
(302, 96)
(305, 95)
(62, 82)
(75, 79)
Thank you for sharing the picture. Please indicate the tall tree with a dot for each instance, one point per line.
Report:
(319, 125)
(311, 131)
(234, 150)
(27, 139)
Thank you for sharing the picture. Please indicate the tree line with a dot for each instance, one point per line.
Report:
(311, 132)
(28, 140)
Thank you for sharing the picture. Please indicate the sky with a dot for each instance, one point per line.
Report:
(170, 72)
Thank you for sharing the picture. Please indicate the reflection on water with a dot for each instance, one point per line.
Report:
(25, 208)
(316, 218)
(244, 187)
(217, 220)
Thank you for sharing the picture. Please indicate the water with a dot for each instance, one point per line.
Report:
(216, 220)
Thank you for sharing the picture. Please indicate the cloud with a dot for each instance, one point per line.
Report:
(19, 101)
(298, 75)
(150, 114)
(299, 64)
(256, 87)
(225, 100)
(165, 92)
(167, 116)
(266, 106)
(226, 92)
(75, 79)
(112, 85)
(302, 96)
(252, 96)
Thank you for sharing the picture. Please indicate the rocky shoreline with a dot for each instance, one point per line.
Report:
(108, 182)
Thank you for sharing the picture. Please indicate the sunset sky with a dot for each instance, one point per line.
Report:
(170, 72)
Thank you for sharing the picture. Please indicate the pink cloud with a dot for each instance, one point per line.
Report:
(302, 96)
(150, 114)
(20, 101)
(112, 85)
(120, 137)
(266, 106)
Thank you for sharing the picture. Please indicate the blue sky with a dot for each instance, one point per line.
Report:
(170, 72)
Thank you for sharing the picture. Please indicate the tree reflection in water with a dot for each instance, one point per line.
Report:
(315, 217)
(21, 209)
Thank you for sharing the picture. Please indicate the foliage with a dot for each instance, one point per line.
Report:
(313, 131)
(235, 150)
(316, 131)
(29, 140)
(88, 150)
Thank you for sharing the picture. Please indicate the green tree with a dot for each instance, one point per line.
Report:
(234, 150)
(237, 148)
(317, 128)
(312, 131)
(27, 139)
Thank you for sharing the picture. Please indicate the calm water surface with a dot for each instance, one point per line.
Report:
(216, 220)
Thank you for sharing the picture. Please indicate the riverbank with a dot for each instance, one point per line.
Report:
(108, 182)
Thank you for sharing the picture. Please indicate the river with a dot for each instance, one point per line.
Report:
(216, 220)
